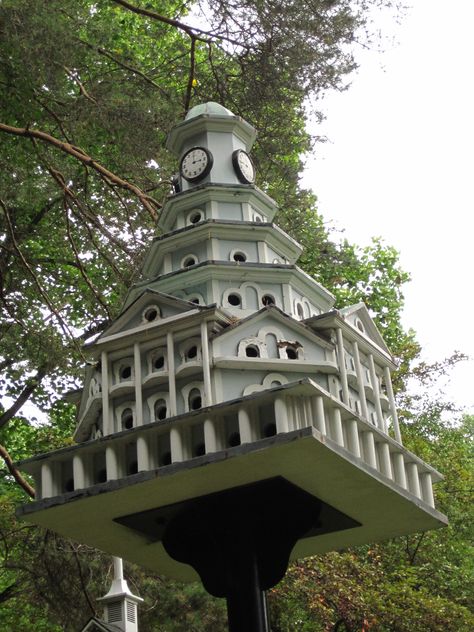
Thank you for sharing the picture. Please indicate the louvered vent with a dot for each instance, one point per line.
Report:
(131, 612)
(114, 611)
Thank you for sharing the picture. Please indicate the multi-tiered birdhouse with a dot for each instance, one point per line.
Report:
(229, 369)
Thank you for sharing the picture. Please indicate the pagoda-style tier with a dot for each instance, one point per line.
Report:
(239, 202)
(229, 366)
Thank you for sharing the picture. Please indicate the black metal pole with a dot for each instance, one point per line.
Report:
(246, 608)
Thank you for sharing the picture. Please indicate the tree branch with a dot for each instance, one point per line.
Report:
(15, 473)
(192, 31)
(22, 398)
(192, 62)
(149, 203)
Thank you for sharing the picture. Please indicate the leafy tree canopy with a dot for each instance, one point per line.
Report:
(89, 90)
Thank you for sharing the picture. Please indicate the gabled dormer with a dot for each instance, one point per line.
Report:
(359, 317)
(147, 310)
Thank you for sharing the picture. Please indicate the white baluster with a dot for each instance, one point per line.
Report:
(368, 444)
(384, 459)
(176, 444)
(336, 427)
(427, 488)
(143, 454)
(79, 472)
(413, 479)
(281, 416)
(112, 463)
(353, 437)
(399, 469)
(210, 435)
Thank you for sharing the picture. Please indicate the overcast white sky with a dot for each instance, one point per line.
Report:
(399, 165)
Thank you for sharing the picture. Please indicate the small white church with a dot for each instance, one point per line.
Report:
(229, 365)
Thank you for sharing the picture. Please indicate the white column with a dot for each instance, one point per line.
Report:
(112, 463)
(171, 374)
(138, 384)
(210, 435)
(176, 444)
(368, 444)
(318, 414)
(47, 480)
(213, 249)
(384, 459)
(336, 426)
(427, 488)
(342, 366)
(79, 472)
(143, 454)
(375, 388)
(262, 252)
(413, 480)
(360, 381)
(206, 369)
(393, 408)
(106, 421)
(287, 298)
(281, 417)
(245, 426)
(353, 437)
(167, 263)
(399, 469)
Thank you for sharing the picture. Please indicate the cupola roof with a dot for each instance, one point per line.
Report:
(211, 108)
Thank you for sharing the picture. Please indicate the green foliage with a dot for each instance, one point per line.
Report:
(113, 82)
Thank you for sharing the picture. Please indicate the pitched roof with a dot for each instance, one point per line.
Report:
(97, 625)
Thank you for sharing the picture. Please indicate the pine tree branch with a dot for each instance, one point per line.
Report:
(149, 203)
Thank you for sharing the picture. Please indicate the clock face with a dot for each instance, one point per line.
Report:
(243, 166)
(196, 164)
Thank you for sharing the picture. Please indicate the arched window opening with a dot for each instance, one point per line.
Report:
(191, 353)
(165, 458)
(234, 300)
(127, 419)
(234, 440)
(252, 351)
(360, 325)
(268, 299)
(132, 468)
(291, 353)
(125, 372)
(300, 311)
(69, 485)
(269, 430)
(151, 314)
(160, 410)
(159, 362)
(199, 450)
(195, 399)
(240, 257)
(195, 217)
(189, 261)
(195, 300)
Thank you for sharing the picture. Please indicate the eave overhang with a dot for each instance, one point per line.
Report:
(216, 193)
(221, 229)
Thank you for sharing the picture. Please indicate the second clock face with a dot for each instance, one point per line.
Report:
(196, 164)
(243, 166)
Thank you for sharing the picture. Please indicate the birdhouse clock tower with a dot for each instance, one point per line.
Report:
(232, 418)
